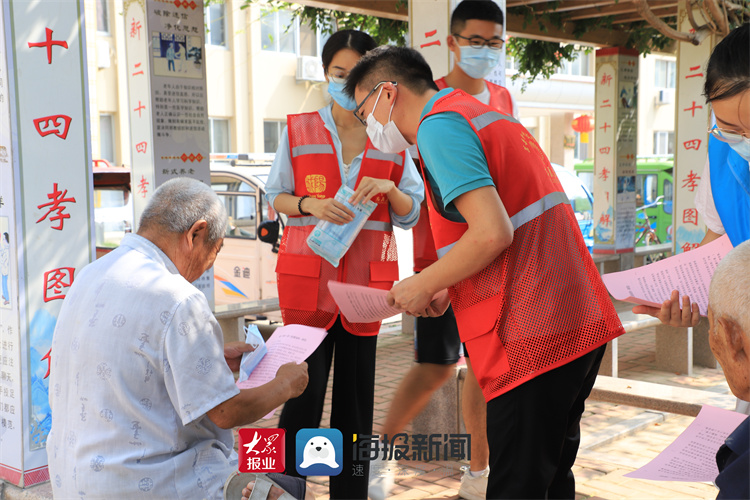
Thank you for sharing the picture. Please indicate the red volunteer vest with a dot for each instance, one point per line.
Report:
(500, 98)
(371, 260)
(424, 245)
(541, 303)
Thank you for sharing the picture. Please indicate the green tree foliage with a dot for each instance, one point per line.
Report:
(539, 58)
(535, 58)
(384, 31)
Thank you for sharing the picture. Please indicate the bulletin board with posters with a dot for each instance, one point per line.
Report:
(168, 109)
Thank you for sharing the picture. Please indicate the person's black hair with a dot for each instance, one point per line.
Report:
(728, 70)
(346, 39)
(482, 10)
(402, 65)
(7, 237)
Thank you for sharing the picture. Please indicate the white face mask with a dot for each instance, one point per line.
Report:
(387, 138)
(742, 149)
(478, 63)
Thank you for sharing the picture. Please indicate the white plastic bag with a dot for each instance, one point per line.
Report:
(331, 241)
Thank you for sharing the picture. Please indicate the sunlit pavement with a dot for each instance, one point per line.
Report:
(616, 439)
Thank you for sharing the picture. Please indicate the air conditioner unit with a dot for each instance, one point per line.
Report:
(103, 59)
(665, 96)
(310, 69)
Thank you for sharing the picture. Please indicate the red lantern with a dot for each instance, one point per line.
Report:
(583, 125)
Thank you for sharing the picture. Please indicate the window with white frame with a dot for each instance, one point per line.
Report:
(107, 138)
(580, 66)
(102, 16)
(665, 73)
(663, 143)
(219, 135)
(216, 24)
(281, 32)
(271, 134)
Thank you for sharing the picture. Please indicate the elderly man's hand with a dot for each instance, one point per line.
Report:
(233, 352)
(295, 376)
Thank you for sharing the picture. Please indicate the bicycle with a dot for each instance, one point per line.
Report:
(645, 231)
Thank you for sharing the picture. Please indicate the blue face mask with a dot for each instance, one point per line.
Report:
(478, 63)
(337, 93)
(742, 149)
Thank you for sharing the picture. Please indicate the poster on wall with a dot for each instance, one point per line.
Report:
(177, 55)
(168, 101)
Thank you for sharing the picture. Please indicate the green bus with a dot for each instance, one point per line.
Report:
(654, 190)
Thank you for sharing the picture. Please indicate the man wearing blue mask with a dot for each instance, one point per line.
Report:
(476, 41)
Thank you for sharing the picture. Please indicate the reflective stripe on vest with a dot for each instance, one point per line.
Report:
(312, 149)
(541, 302)
(372, 225)
(489, 118)
(525, 215)
(375, 154)
(538, 208)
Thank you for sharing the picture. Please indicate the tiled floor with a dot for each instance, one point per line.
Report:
(599, 469)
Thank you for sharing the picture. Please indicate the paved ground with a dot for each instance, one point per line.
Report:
(604, 456)
(607, 453)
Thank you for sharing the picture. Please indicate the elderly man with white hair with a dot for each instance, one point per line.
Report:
(141, 387)
(729, 319)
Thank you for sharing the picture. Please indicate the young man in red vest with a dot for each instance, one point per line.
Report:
(476, 41)
(529, 303)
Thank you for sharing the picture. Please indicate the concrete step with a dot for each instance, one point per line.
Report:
(658, 397)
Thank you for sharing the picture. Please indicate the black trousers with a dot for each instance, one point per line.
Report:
(351, 406)
(533, 432)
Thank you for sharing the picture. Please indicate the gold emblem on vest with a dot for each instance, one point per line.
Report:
(380, 198)
(315, 183)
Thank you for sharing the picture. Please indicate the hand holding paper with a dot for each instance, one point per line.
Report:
(361, 304)
(689, 273)
(291, 343)
(677, 311)
(411, 295)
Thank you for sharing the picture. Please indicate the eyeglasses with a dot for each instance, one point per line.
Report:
(338, 77)
(728, 136)
(477, 42)
(359, 106)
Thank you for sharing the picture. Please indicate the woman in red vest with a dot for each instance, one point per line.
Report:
(319, 152)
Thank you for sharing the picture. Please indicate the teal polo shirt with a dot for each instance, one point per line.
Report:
(453, 157)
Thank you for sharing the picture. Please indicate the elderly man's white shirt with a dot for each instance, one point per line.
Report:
(137, 361)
